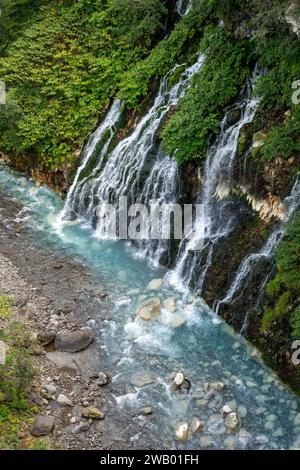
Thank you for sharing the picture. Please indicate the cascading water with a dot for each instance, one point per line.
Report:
(265, 255)
(183, 7)
(107, 127)
(136, 167)
(219, 221)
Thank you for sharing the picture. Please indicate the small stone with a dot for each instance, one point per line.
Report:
(92, 412)
(143, 379)
(182, 432)
(73, 341)
(63, 400)
(42, 426)
(147, 410)
(197, 425)
(242, 411)
(179, 379)
(103, 379)
(155, 284)
(38, 400)
(232, 422)
(262, 439)
(205, 441)
(73, 420)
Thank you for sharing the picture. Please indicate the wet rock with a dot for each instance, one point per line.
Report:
(42, 425)
(182, 432)
(176, 321)
(91, 412)
(197, 425)
(178, 379)
(155, 284)
(242, 411)
(180, 382)
(103, 379)
(150, 309)
(259, 140)
(46, 337)
(3, 351)
(170, 304)
(262, 439)
(73, 341)
(232, 422)
(205, 441)
(63, 400)
(82, 427)
(147, 410)
(143, 379)
(233, 117)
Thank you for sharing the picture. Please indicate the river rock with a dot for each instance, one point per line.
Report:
(182, 432)
(72, 341)
(242, 411)
(3, 350)
(42, 426)
(226, 410)
(217, 386)
(232, 422)
(46, 337)
(150, 309)
(143, 379)
(63, 400)
(155, 284)
(197, 425)
(176, 321)
(83, 426)
(233, 116)
(91, 412)
(48, 391)
(230, 443)
(103, 379)
(178, 379)
(170, 304)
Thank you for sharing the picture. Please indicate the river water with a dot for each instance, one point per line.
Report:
(192, 340)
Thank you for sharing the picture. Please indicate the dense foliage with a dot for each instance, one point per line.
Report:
(284, 290)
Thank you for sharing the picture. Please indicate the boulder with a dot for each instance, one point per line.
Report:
(182, 432)
(233, 116)
(150, 309)
(46, 337)
(72, 341)
(3, 351)
(143, 379)
(42, 425)
(232, 422)
(91, 412)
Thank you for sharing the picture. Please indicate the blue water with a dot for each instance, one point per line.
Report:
(192, 340)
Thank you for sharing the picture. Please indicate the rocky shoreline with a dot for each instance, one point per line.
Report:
(59, 301)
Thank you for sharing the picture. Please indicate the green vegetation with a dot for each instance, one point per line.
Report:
(284, 290)
(64, 66)
(213, 88)
(15, 379)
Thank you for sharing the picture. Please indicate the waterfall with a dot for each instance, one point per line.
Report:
(266, 253)
(183, 7)
(136, 167)
(219, 219)
(107, 127)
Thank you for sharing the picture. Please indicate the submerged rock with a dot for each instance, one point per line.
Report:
(42, 425)
(73, 341)
(155, 284)
(150, 309)
(143, 379)
(170, 304)
(182, 432)
(232, 422)
(197, 425)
